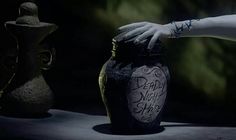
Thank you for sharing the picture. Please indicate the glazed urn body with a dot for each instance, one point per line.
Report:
(133, 85)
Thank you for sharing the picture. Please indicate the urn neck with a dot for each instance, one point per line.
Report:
(128, 51)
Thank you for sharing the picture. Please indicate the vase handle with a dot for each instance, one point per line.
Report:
(47, 58)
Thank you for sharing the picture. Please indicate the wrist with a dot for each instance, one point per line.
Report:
(170, 27)
(181, 28)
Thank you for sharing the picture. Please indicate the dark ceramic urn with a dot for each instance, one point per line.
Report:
(28, 94)
(133, 85)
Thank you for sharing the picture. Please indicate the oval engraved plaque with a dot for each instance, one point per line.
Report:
(146, 93)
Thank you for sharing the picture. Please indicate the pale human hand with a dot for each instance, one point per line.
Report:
(143, 30)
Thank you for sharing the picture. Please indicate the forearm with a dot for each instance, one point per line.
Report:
(223, 27)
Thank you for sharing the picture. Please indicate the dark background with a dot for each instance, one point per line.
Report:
(202, 69)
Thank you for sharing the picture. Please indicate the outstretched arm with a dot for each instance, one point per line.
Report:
(223, 27)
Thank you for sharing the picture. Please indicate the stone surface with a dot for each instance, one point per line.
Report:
(64, 125)
(32, 98)
(27, 92)
(28, 14)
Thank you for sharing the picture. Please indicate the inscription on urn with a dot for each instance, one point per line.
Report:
(146, 93)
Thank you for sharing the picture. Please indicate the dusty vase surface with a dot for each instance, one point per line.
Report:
(28, 93)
